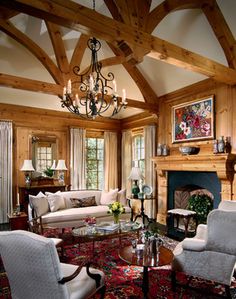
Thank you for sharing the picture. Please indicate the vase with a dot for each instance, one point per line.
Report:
(116, 218)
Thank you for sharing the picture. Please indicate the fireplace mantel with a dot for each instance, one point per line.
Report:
(222, 164)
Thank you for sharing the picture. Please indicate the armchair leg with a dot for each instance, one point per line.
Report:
(102, 292)
(173, 280)
(227, 292)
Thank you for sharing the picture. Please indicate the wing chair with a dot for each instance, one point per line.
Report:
(34, 270)
(211, 254)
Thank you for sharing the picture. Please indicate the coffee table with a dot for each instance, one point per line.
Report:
(164, 257)
(87, 234)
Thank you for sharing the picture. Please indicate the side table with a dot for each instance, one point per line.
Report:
(186, 215)
(18, 221)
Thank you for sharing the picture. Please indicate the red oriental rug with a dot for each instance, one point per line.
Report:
(124, 281)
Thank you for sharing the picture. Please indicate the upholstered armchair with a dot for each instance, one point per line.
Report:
(34, 270)
(35, 227)
(211, 254)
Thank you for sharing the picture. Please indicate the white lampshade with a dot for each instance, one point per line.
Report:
(53, 167)
(135, 174)
(61, 165)
(27, 166)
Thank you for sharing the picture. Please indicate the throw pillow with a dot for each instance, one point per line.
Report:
(56, 202)
(83, 202)
(62, 201)
(39, 203)
(109, 197)
(122, 197)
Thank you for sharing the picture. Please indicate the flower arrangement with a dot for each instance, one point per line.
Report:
(202, 204)
(90, 220)
(116, 208)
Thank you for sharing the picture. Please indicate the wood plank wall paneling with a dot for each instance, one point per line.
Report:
(29, 121)
(225, 111)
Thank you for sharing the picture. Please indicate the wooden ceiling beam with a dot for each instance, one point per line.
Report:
(59, 48)
(30, 85)
(167, 6)
(148, 94)
(6, 13)
(88, 21)
(9, 29)
(222, 31)
(79, 51)
(213, 14)
(57, 90)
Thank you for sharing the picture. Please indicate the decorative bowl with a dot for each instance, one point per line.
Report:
(189, 150)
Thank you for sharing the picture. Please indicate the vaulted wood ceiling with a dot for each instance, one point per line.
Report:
(128, 34)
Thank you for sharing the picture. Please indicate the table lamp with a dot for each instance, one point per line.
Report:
(27, 168)
(61, 166)
(135, 175)
(53, 167)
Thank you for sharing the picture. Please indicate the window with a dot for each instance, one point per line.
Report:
(94, 163)
(139, 151)
(44, 157)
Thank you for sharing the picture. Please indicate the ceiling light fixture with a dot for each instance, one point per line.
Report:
(93, 94)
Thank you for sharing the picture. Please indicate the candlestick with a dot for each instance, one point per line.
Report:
(91, 83)
(18, 199)
(69, 86)
(115, 86)
(123, 95)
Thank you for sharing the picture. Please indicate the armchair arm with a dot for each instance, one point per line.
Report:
(194, 244)
(96, 277)
(201, 232)
(36, 225)
(72, 276)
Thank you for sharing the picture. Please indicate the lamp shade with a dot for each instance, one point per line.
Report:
(27, 166)
(61, 165)
(53, 167)
(135, 174)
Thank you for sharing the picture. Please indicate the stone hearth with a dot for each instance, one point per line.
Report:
(222, 165)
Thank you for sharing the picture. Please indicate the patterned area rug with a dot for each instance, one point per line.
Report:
(124, 281)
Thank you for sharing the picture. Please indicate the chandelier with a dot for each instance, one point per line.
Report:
(93, 94)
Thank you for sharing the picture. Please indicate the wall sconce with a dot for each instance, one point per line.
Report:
(27, 168)
(135, 175)
(61, 166)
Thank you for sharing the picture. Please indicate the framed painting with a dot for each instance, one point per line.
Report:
(193, 120)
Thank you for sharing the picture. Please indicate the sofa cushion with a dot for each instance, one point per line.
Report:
(67, 195)
(122, 197)
(39, 203)
(83, 202)
(109, 197)
(56, 202)
(74, 214)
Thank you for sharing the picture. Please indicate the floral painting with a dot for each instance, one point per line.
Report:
(193, 121)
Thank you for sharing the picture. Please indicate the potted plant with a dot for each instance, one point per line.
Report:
(202, 204)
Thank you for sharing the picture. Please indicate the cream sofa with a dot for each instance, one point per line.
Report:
(57, 210)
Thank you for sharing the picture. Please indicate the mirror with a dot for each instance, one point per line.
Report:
(44, 149)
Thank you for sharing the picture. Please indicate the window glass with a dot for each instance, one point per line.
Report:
(139, 151)
(94, 163)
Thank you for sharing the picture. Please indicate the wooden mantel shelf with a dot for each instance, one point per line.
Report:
(222, 164)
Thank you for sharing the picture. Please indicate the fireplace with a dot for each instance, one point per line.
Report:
(212, 172)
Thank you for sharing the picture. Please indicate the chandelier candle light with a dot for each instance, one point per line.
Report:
(93, 94)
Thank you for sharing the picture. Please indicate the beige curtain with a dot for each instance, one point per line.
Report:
(77, 158)
(6, 136)
(110, 161)
(150, 173)
(126, 160)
